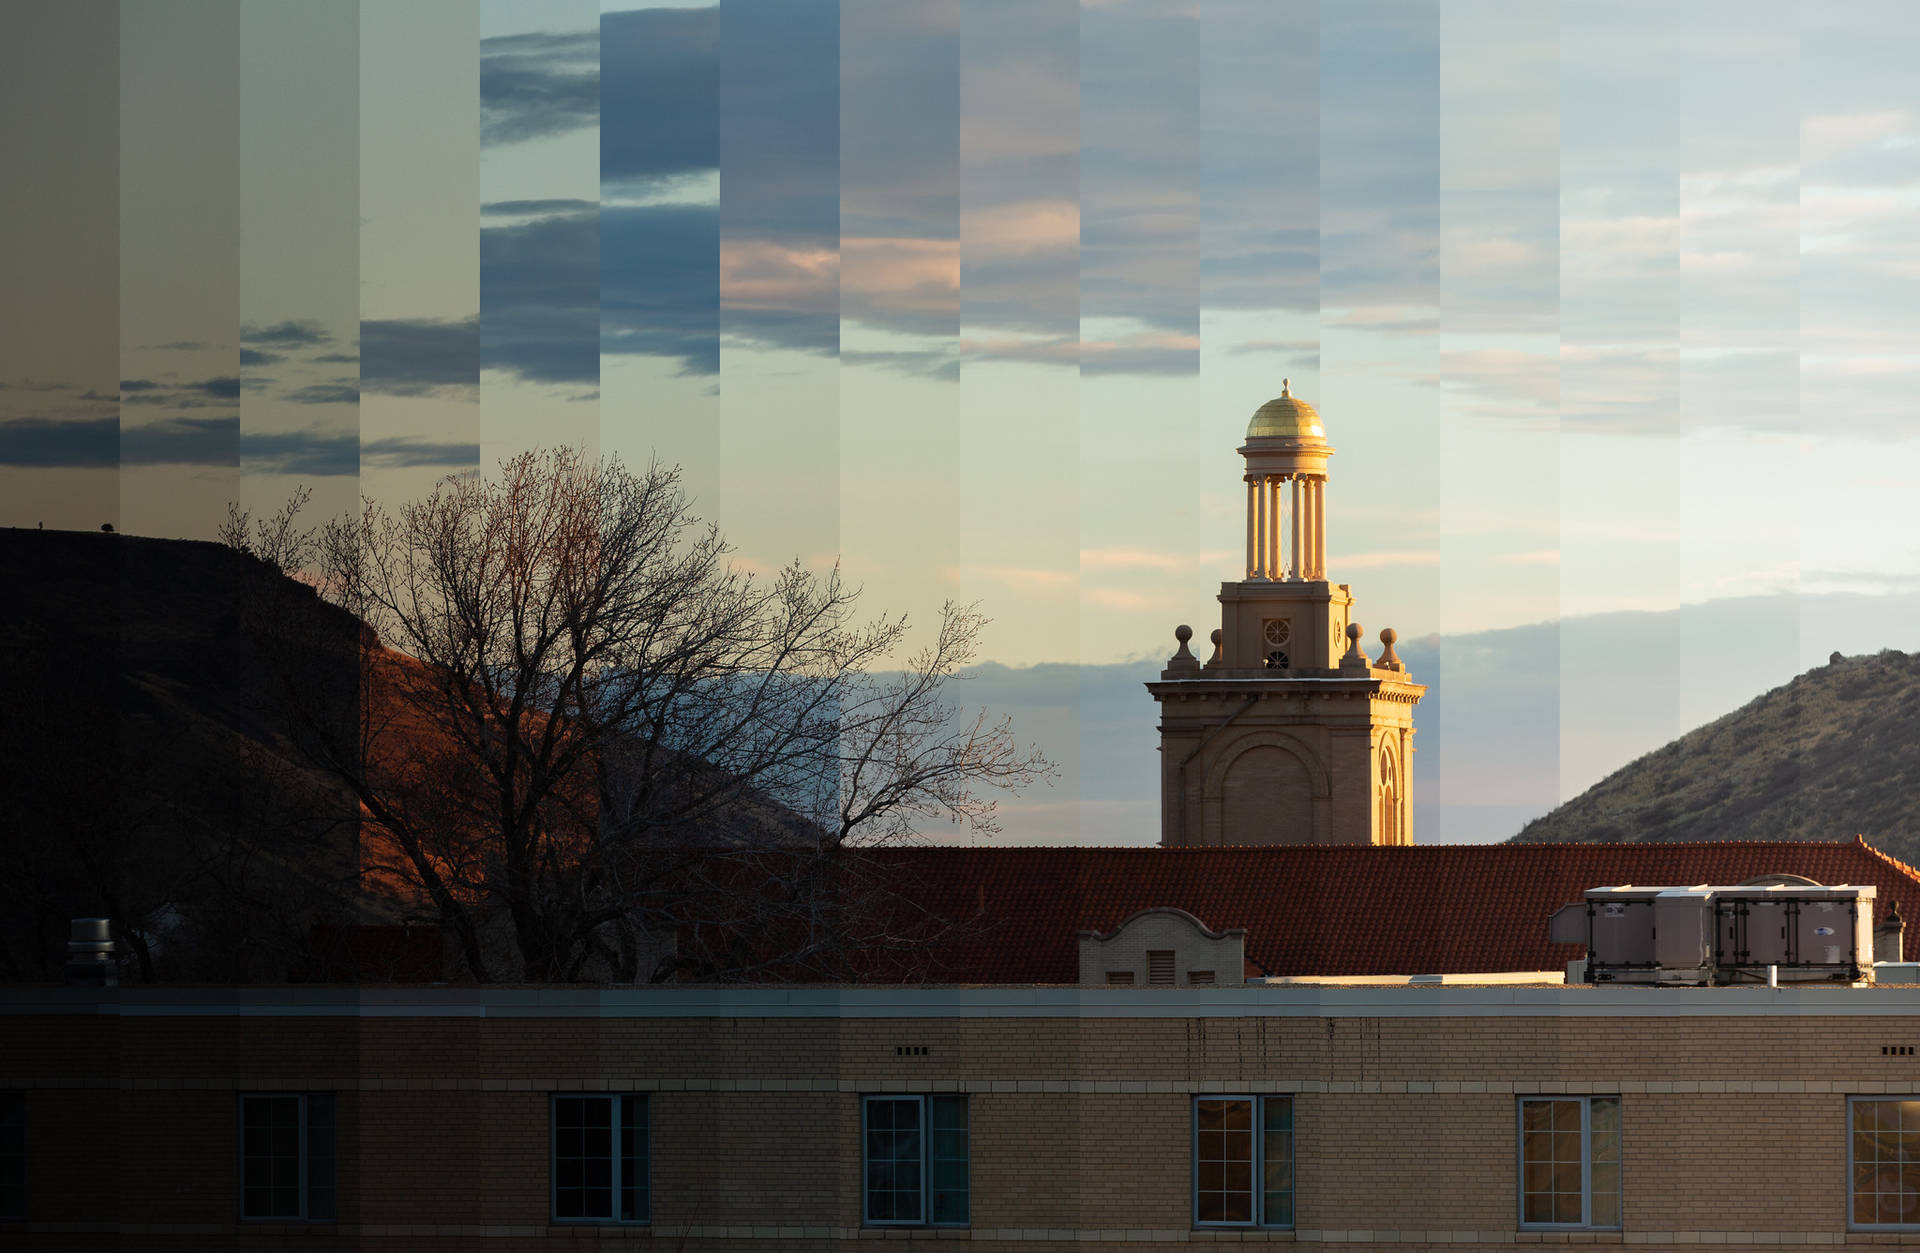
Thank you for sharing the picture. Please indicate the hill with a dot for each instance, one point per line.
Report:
(146, 778)
(1829, 755)
(156, 771)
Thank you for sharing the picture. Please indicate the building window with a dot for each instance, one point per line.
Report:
(1389, 798)
(913, 1158)
(286, 1156)
(1884, 1161)
(1243, 1161)
(1200, 978)
(1120, 978)
(1570, 1161)
(13, 1154)
(1160, 966)
(600, 1158)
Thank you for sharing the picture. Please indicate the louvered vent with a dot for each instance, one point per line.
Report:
(1160, 966)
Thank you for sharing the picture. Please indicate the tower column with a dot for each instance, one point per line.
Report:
(1299, 516)
(1251, 507)
(1306, 528)
(1319, 528)
(1264, 522)
(1276, 560)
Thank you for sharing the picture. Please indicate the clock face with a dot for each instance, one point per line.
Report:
(1277, 632)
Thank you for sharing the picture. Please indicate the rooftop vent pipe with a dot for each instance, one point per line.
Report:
(90, 955)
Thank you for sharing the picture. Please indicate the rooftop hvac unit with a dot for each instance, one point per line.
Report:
(1708, 934)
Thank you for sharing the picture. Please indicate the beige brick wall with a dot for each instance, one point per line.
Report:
(1734, 1129)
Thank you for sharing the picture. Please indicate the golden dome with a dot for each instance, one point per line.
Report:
(1286, 418)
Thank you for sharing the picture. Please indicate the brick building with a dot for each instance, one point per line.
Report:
(1028, 1118)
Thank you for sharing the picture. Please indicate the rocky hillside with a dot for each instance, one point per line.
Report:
(1833, 754)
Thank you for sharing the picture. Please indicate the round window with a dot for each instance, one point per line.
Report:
(1278, 631)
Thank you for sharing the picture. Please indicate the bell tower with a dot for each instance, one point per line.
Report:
(1289, 733)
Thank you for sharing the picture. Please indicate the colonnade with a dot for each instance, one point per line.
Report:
(1286, 538)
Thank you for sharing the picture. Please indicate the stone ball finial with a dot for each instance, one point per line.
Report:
(1389, 660)
(1355, 658)
(1183, 660)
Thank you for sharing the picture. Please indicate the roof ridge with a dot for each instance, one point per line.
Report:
(1910, 871)
(1211, 849)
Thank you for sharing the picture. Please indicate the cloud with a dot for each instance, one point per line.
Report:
(781, 97)
(255, 357)
(1135, 559)
(660, 89)
(1119, 599)
(182, 441)
(46, 443)
(421, 357)
(1383, 560)
(1259, 156)
(342, 392)
(900, 122)
(1140, 165)
(1504, 382)
(210, 393)
(931, 363)
(536, 85)
(1386, 320)
(1020, 172)
(536, 208)
(1029, 580)
(1145, 352)
(1536, 557)
(327, 454)
(313, 453)
(780, 216)
(659, 284)
(902, 284)
(1380, 157)
(540, 299)
(758, 275)
(292, 333)
(413, 453)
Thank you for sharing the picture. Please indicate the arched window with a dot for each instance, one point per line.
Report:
(1389, 797)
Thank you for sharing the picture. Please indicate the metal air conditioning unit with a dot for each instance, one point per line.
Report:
(1707, 934)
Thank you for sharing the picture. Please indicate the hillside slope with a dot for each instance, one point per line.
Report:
(1833, 754)
(146, 777)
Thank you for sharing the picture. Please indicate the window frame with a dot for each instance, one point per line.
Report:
(1586, 1222)
(1853, 1222)
(304, 1165)
(644, 1144)
(925, 1102)
(1259, 1220)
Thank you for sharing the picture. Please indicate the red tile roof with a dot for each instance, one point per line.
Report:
(1332, 911)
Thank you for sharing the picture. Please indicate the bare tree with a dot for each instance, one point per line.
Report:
(577, 715)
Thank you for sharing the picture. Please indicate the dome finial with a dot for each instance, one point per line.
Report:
(1286, 389)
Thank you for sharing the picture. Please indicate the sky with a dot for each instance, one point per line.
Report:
(1609, 308)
